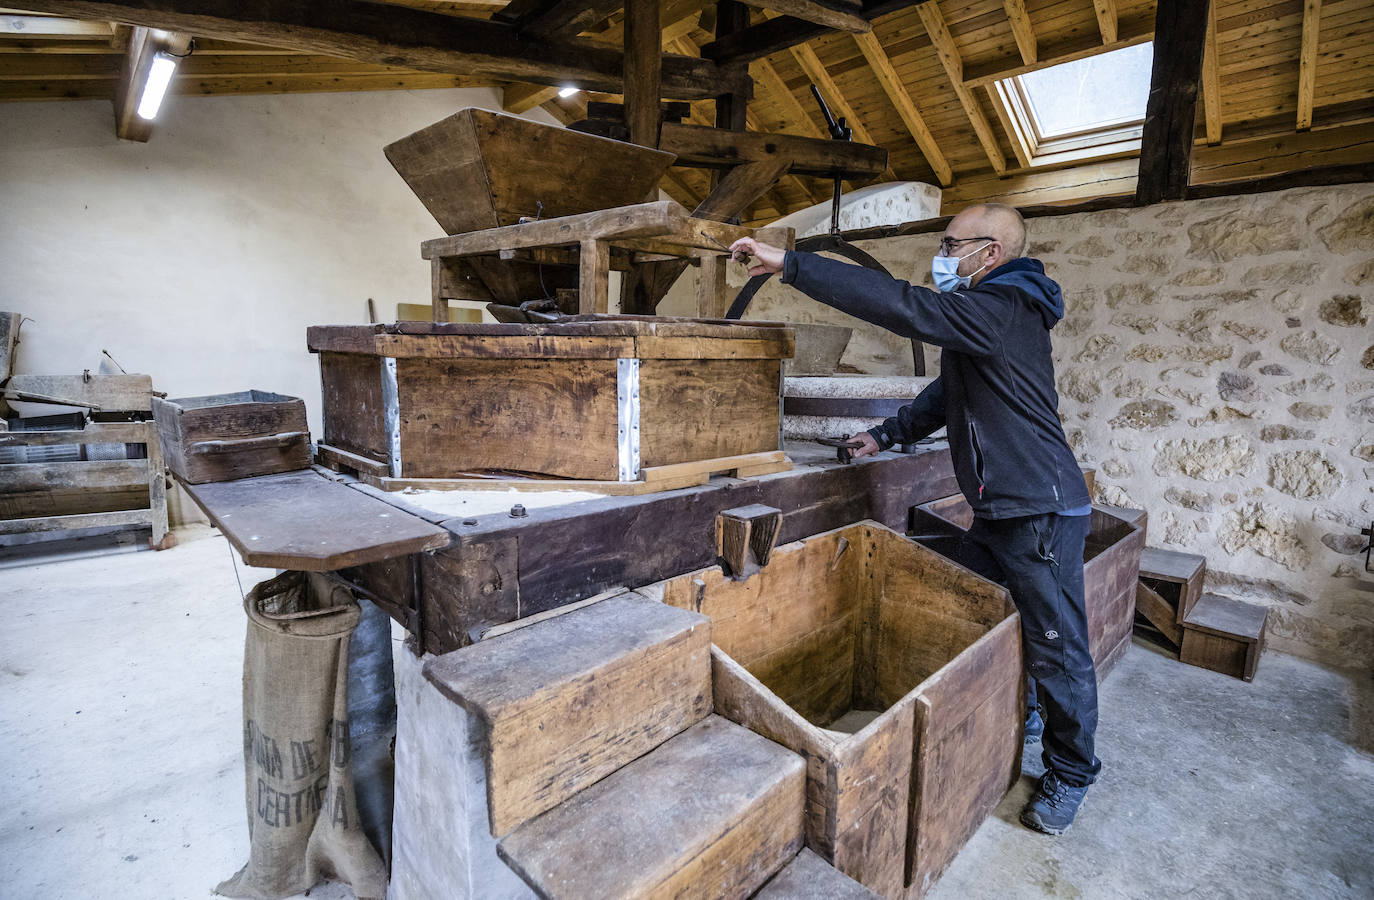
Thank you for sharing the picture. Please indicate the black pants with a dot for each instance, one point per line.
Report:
(1040, 561)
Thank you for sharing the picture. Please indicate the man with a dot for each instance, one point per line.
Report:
(992, 315)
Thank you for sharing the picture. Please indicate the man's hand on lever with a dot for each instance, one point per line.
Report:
(767, 258)
(868, 448)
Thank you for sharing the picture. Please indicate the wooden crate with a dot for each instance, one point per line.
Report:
(222, 437)
(598, 400)
(73, 493)
(860, 624)
(1111, 566)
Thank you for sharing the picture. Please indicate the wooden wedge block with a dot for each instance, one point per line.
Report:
(808, 877)
(568, 701)
(712, 813)
(1175, 576)
(1158, 612)
(1225, 635)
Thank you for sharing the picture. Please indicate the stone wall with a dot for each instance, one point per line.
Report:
(1216, 365)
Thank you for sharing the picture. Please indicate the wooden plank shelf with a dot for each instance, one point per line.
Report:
(303, 521)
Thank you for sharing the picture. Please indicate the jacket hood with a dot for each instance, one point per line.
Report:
(1029, 275)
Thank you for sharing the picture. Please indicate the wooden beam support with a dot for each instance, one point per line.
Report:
(718, 148)
(740, 187)
(643, 55)
(1106, 19)
(785, 32)
(1170, 114)
(948, 52)
(593, 277)
(1021, 29)
(22, 26)
(1307, 66)
(1211, 80)
(406, 37)
(896, 92)
(841, 15)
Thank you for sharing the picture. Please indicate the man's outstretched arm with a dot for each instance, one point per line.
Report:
(967, 322)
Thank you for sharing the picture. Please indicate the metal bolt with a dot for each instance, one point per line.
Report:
(517, 512)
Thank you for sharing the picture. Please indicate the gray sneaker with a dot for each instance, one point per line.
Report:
(1054, 805)
(1035, 726)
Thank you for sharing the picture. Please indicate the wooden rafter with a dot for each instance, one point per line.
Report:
(562, 18)
(1021, 29)
(1307, 66)
(1107, 20)
(948, 52)
(1211, 80)
(1166, 142)
(785, 32)
(521, 98)
(892, 86)
(401, 36)
(841, 15)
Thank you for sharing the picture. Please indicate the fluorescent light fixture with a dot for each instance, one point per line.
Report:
(155, 88)
(567, 91)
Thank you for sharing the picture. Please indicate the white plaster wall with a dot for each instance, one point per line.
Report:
(200, 257)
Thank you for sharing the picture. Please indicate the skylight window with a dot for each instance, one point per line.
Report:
(1087, 108)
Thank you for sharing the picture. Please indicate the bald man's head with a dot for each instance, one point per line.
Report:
(1001, 222)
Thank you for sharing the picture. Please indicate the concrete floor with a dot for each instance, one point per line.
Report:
(119, 728)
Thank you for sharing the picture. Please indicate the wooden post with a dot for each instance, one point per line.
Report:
(643, 64)
(1166, 144)
(593, 281)
(438, 302)
(711, 287)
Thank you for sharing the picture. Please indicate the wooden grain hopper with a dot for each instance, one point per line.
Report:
(860, 625)
(479, 169)
(1111, 566)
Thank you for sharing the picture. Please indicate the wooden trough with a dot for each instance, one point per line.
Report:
(1111, 567)
(860, 625)
(477, 170)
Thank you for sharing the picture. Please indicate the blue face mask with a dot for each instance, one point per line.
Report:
(945, 270)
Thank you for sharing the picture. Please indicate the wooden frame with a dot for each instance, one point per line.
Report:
(96, 474)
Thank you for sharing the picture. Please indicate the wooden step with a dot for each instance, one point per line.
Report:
(1175, 576)
(1225, 635)
(714, 812)
(808, 877)
(569, 700)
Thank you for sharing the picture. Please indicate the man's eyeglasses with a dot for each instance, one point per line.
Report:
(948, 244)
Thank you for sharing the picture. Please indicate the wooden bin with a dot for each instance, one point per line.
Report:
(222, 437)
(1111, 566)
(861, 623)
(598, 400)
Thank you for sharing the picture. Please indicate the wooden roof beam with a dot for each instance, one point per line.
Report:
(1021, 29)
(1211, 80)
(1166, 143)
(560, 18)
(1307, 65)
(406, 37)
(24, 26)
(911, 116)
(841, 15)
(786, 32)
(1107, 20)
(954, 67)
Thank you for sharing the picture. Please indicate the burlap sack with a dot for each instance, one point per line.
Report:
(302, 811)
